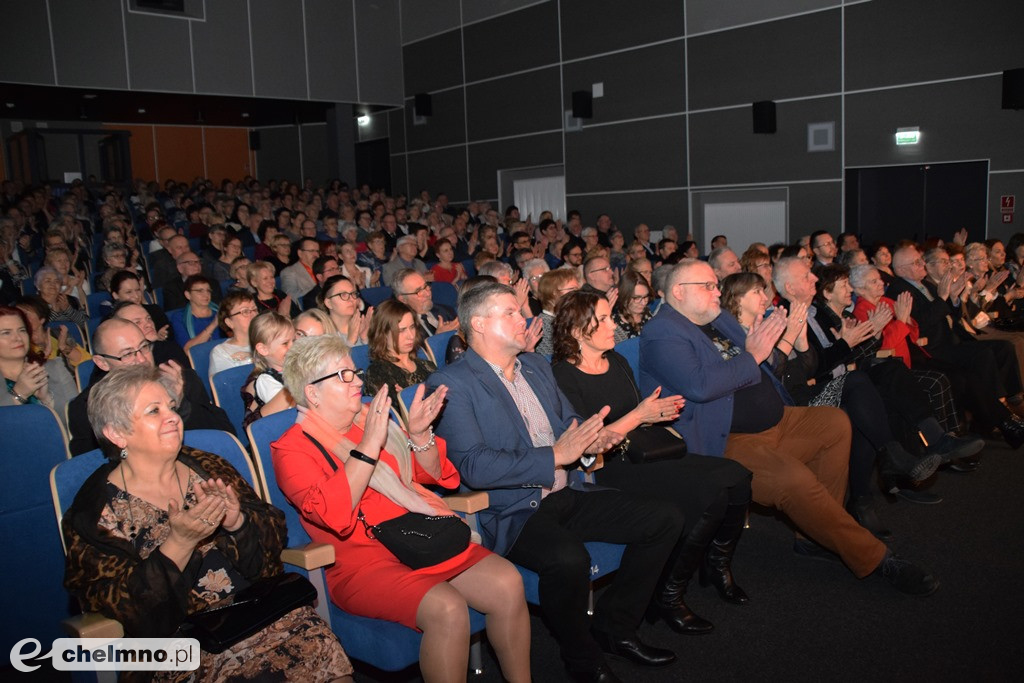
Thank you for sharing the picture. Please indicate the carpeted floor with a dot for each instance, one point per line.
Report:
(813, 621)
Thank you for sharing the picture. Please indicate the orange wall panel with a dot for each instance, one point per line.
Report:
(179, 153)
(227, 154)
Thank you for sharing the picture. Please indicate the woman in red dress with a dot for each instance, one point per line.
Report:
(377, 476)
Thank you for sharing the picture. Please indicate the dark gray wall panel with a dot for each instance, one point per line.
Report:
(433, 64)
(631, 208)
(475, 10)
(533, 41)
(158, 52)
(446, 127)
(518, 104)
(709, 15)
(220, 48)
(25, 55)
(647, 82)
(591, 27)
(629, 156)
(331, 50)
(279, 58)
(724, 149)
(396, 129)
(998, 185)
(814, 206)
(375, 129)
(787, 58)
(399, 182)
(314, 153)
(379, 49)
(422, 19)
(486, 159)
(959, 120)
(901, 41)
(279, 153)
(92, 57)
(440, 170)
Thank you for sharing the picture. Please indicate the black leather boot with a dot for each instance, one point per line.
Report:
(717, 566)
(668, 603)
(895, 462)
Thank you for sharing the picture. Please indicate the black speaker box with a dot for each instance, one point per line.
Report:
(424, 104)
(582, 104)
(764, 117)
(1013, 89)
(254, 140)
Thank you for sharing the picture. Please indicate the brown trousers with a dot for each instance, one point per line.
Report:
(800, 467)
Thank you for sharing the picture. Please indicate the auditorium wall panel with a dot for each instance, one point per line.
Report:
(439, 170)
(527, 39)
(629, 156)
(446, 126)
(486, 159)
(517, 104)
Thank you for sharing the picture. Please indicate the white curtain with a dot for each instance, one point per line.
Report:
(535, 195)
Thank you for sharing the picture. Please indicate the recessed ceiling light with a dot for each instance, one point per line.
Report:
(142, 110)
(363, 120)
(10, 105)
(245, 114)
(89, 96)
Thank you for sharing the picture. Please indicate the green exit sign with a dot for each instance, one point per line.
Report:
(908, 136)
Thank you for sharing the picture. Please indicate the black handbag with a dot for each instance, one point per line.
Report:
(649, 443)
(417, 540)
(248, 611)
(653, 443)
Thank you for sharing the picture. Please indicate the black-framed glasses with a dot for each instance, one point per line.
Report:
(344, 296)
(243, 311)
(145, 346)
(415, 292)
(346, 375)
(710, 285)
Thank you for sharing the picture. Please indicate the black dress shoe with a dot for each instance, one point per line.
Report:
(965, 465)
(1012, 430)
(951, 447)
(680, 619)
(907, 577)
(634, 650)
(602, 674)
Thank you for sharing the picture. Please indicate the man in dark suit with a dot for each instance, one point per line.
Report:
(117, 343)
(174, 291)
(971, 365)
(411, 289)
(511, 432)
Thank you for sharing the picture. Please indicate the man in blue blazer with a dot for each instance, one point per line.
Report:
(736, 408)
(511, 432)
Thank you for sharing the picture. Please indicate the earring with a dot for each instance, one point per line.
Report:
(124, 453)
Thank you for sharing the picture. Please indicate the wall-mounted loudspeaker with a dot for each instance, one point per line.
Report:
(764, 117)
(424, 104)
(582, 104)
(1013, 89)
(254, 140)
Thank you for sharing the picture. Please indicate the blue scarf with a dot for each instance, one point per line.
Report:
(190, 320)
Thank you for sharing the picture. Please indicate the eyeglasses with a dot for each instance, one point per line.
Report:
(190, 262)
(344, 296)
(243, 311)
(201, 290)
(130, 354)
(346, 375)
(640, 297)
(710, 286)
(311, 250)
(598, 270)
(416, 292)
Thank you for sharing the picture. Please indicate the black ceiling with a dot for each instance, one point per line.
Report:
(44, 103)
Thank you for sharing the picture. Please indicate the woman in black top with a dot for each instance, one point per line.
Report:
(393, 344)
(713, 493)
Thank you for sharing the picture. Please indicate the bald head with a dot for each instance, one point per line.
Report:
(908, 264)
(692, 290)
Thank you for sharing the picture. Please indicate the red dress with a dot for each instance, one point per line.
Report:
(366, 579)
(442, 274)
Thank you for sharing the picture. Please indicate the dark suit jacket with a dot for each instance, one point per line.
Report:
(490, 445)
(162, 268)
(931, 317)
(174, 293)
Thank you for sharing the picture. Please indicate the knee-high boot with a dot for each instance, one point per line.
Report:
(668, 600)
(717, 566)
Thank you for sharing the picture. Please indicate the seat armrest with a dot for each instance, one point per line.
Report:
(883, 353)
(468, 503)
(92, 625)
(309, 556)
(922, 341)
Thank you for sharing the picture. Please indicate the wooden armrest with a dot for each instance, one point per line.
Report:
(883, 353)
(309, 556)
(850, 367)
(811, 382)
(922, 341)
(92, 625)
(468, 503)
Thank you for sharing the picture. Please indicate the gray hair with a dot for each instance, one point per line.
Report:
(43, 272)
(780, 274)
(399, 278)
(659, 278)
(715, 255)
(975, 248)
(112, 400)
(859, 275)
(535, 264)
(494, 269)
(308, 359)
(472, 303)
(111, 248)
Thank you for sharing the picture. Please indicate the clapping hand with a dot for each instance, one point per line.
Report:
(880, 317)
(903, 306)
(233, 517)
(656, 409)
(375, 423)
(423, 411)
(199, 521)
(582, 438)
(764, 334)
(534, 333)
(854, 333)
(443, 326)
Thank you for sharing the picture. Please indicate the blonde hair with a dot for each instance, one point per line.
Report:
(265, 328)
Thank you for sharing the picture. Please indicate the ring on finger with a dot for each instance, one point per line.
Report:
(205, 521)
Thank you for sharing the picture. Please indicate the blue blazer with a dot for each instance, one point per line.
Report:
(489, 444)
(677, 356)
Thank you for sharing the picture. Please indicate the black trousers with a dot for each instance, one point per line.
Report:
(551, 544)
